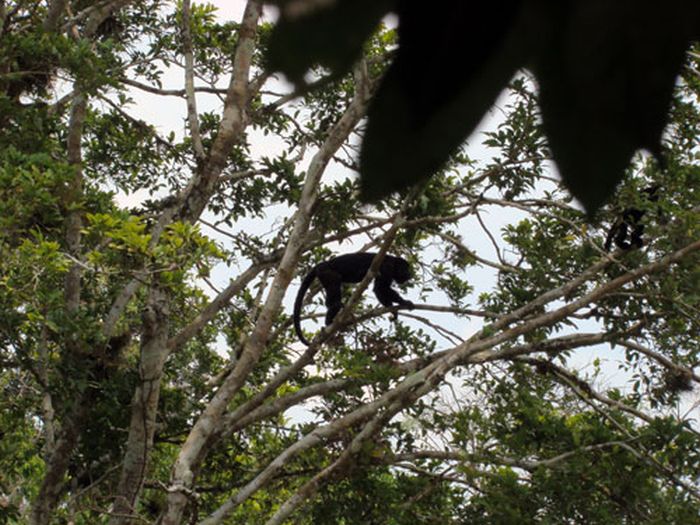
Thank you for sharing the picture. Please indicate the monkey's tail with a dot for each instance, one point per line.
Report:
(305, 284)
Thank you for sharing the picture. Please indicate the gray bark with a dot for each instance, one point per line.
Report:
(144, 407)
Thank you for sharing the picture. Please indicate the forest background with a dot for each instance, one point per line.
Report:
(161, 195)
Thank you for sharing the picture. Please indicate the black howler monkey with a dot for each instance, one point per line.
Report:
(629, 223)
(352, 268)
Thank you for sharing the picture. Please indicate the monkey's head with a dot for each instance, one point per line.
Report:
(402, 271)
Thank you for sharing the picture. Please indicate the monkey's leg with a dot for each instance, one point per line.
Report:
(621, 237)
(610, 236)
(331, 282)
(636, 236)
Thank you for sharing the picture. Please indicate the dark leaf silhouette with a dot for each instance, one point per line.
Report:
(442, 82)
(332, 38)
(606, 72)
(606, 78)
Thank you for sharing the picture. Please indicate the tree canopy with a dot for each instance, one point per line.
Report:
(162, 193)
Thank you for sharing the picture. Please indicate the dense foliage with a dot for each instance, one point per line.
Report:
(161, 193)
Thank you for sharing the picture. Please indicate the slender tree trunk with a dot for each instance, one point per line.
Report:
(58, 462)
(56, 468)
(144, 407)
(47, 409)
(74, 222)
(3, 15)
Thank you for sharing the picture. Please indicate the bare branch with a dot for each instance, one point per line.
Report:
(471, 253)
(529, 465)
(491, 238)
(172, 92)
(583, 389)
(215, 306)
(281, 404)
(137, 122)
(663, 360)
(192, 117)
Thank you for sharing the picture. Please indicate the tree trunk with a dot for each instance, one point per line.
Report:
(144, 407)
(57, 465)
(52, 484)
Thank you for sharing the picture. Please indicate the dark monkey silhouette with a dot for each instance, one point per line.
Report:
(629, 224)
(352, 268)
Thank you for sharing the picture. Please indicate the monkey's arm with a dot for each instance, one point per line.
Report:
(617, 234)
(387, 295)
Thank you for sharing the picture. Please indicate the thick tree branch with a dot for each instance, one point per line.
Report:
(72, 197)
(191, 201)
(144, 406)
(54, 14)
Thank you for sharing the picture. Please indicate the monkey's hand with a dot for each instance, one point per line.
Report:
(403, 304)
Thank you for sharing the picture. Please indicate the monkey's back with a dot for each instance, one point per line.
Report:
(352, 267)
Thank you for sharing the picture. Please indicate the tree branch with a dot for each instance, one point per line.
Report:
(54, 14)
(171, 92)
(192, 117)
(214, 307)
(661, 359)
